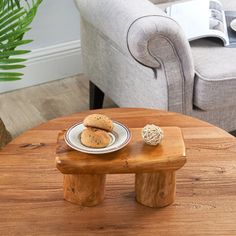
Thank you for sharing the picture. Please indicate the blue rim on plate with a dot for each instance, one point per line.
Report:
(120, 137)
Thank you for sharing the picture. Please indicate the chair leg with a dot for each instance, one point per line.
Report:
(233, 133)
(96, 96)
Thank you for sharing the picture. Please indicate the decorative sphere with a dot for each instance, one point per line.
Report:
(152, 134)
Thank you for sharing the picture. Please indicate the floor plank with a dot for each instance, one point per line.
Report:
(25, 108)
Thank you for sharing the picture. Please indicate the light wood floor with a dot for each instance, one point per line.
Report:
(25, 108)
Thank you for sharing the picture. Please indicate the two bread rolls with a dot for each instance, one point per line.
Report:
(96, 133)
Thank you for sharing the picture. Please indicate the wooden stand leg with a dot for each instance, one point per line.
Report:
(84, 189)
(155, 189)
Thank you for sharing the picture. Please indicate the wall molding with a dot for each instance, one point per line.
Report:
(48, 64)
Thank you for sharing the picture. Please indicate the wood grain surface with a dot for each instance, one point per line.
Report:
(25, 108)
(155, 189)
(84, 190)
(82, 182)
(31, 201)
(136, 157)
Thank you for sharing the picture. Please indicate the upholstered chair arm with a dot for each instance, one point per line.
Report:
(140, 28)
(158, 42)
(155, 40)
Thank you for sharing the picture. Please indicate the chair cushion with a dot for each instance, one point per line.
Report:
(215, 78)
(215, 67)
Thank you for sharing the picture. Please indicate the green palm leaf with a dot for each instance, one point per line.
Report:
(9, 78)
(7, 54)
(11, 67)
(14, 44)
(11, 18)
(10, 74)
(6, 14)
(11, 60)
(13, 35)
(14, 23)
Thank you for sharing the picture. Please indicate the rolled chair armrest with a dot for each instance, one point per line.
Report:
(113, 18)
(138, 24)
(156, 40)
(142, 30)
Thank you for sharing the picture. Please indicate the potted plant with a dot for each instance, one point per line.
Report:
(15, 19)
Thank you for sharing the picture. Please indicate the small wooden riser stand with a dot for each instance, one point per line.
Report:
(84, 174)
(84, 190)
(155, 189)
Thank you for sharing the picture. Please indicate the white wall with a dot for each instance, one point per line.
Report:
(55, 52)
(57, 22)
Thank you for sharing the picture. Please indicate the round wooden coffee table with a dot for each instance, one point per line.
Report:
(31, 193)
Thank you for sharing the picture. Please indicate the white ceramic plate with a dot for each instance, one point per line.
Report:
(119, 137)
(233, 24)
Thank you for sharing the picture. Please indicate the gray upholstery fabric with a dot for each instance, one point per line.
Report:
(215, 80)
(161, 39)
(168, 52)
(113, 18)
(124, 80)
(151, 38)
(222, 117)
(124, 42)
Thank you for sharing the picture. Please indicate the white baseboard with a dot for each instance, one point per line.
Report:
(48, 64)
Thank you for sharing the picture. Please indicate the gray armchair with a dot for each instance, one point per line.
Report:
(139, 57)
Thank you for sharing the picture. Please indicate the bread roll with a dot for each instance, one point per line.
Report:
(94, 138)
(99, 121)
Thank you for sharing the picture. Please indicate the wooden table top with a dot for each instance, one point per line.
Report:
(135, 157)
(31, 194)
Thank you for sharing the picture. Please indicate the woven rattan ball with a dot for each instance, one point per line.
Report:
(152, 134)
